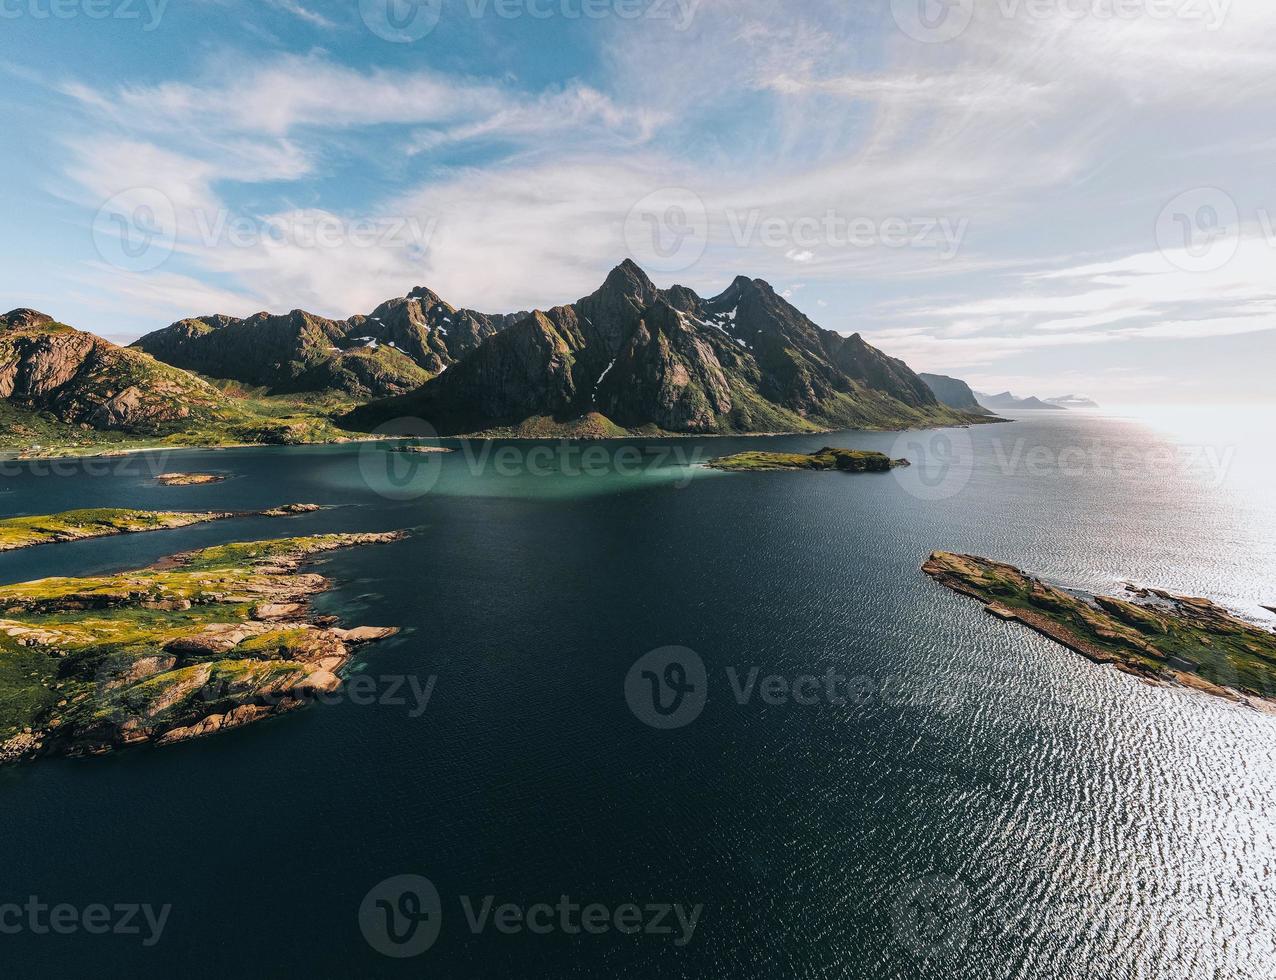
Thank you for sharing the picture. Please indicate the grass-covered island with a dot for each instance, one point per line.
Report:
(828, 458)
(102, 522)
(1154, 635)
(198, 643)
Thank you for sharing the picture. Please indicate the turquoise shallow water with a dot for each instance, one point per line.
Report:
(988, 805)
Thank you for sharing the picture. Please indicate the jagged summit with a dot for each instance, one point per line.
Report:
(631, 270)
(628, 280)
(395, 349)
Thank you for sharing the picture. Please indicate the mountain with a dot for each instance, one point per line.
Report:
(1072, 401)
(80, 379)
(954, 393)
(63, 389)
(634, 358)
(1006, 402)
(396, 348)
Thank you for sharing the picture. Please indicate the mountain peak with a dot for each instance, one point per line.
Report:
(428, 297)
(742, 286)
(632, 267)
(629, 278)
(23, 319)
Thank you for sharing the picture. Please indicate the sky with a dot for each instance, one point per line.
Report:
(1047, 196)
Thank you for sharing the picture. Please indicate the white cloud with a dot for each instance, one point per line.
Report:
(304, 13)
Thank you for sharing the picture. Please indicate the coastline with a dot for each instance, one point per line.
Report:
(1118, 633)
(164, 521)
(5, 456)
(224, 636)
(8, 456)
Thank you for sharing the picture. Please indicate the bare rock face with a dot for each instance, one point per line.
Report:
(366, 634)
(669, 374)
(145, 667)
(43, 364)
(216, 639)
(278, 610)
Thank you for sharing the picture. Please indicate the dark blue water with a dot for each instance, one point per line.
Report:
(988, 805)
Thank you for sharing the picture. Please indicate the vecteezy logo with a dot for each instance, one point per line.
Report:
(1199, 231)
(942, 463)
(933, 21)
(668, 230)
(136, 229)
(667, 688)
(401, 21)
(401, 917)
(932, 917)
(399, 472)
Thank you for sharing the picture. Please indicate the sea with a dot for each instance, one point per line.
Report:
(649, 719)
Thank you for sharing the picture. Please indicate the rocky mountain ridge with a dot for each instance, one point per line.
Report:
(1007, 402)
(396, 348)
(639, 358)
(629, 358)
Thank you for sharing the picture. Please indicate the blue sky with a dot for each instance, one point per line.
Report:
(1043, 195)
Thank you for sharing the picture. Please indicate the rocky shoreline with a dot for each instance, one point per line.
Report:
(202, 642)
(1159, 637)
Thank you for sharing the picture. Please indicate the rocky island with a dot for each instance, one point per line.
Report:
(843, 460)
(188, 479)
(1154, 635)
(198, 643)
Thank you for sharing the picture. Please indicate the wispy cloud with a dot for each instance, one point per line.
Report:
(303, 13)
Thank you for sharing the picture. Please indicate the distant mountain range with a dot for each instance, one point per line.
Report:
(957, 394)
(1073, 401)
(1006, 402)
(630, 358)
